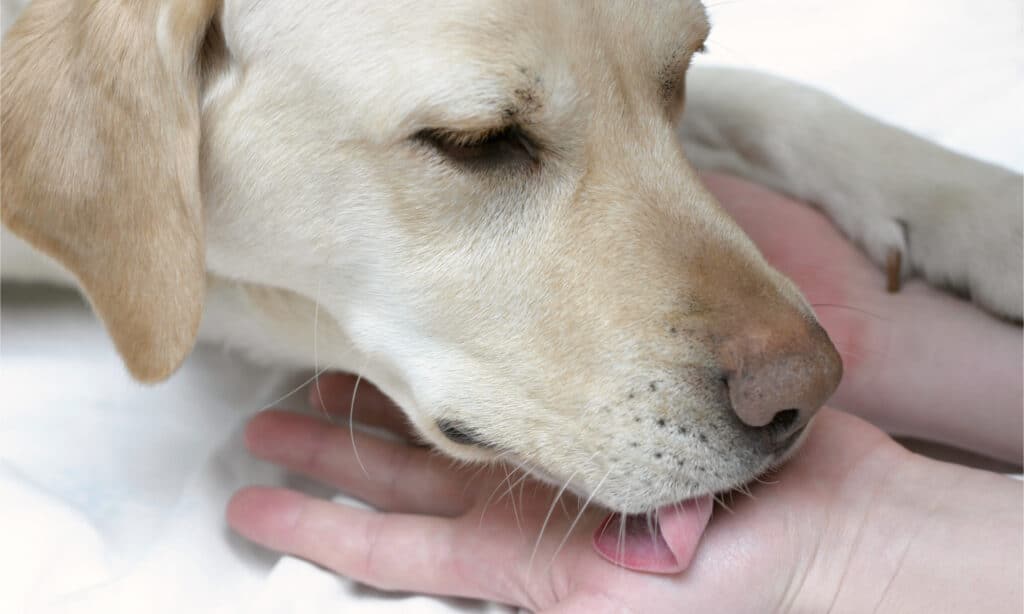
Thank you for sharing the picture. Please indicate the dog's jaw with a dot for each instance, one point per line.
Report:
(569, 311)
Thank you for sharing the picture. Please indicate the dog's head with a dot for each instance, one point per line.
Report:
(487, 199)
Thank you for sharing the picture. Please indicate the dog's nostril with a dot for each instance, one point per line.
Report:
(779, 372)
(458, 433)
(783, 420)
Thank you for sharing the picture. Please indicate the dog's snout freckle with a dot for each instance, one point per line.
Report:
(661, 422)
(657, 455)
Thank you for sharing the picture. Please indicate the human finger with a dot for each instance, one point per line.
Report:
(345, 396)
(386, 474)
(422, 554)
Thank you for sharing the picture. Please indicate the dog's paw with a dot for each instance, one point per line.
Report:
(954, 220)
(955, 240)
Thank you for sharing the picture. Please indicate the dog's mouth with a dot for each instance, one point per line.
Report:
(665, 541)
(658, 542)
(662, 541)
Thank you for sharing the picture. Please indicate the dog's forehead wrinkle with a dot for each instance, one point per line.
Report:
(473, 52)
(486, 60)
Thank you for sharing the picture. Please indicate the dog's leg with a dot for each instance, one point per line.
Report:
(957, 221)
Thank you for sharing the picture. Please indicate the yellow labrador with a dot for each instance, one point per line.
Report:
(484, 207)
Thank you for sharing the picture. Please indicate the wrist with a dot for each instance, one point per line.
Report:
(930, 537)
(960, 387)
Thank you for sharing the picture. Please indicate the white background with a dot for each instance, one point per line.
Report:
(112, 495)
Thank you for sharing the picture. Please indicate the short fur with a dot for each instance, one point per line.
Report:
(577, 310)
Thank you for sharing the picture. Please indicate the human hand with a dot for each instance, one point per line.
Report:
(891, 350)
(852, 522)
(919, 362)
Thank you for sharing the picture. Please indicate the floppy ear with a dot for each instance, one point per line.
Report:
(100, 162)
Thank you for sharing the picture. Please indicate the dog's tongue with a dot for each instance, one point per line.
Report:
(669, 549)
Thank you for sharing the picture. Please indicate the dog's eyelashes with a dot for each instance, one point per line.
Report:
(496, 148)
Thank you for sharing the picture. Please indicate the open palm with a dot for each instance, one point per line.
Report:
(484, 532)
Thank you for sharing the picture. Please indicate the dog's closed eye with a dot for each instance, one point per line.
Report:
(504, 146)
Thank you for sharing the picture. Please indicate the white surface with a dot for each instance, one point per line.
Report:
(112, 495)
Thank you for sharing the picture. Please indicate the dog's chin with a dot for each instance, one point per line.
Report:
(465, 448)
(664, 539)
(660, 539)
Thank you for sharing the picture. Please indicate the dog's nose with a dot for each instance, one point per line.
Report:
(780, 375)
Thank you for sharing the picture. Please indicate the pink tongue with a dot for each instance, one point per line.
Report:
(668, 550)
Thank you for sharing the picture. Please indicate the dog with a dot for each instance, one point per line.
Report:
(489, 209)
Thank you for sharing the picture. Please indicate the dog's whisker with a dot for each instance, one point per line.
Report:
(511, 494)
(490, 498)
(489, 467)
(620, 547)
(651, 527)
(512, 501)
(351, 420)
(714, 43)
(855, 351)
(852, 308)
(604, 528)
(522, 489)
(575, 521)
(316, 353)
(525, 471)
(304, 383)
(565, 510)
(717, 499)
(744, 489)
(547, 518)
(521, 482)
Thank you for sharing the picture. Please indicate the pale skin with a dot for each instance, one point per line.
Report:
(853, 523)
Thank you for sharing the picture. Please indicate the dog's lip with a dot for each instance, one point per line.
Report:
(784, 446)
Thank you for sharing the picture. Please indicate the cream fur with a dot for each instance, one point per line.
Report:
(570, 311)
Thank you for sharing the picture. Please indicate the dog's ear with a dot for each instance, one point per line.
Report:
(100, 162)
